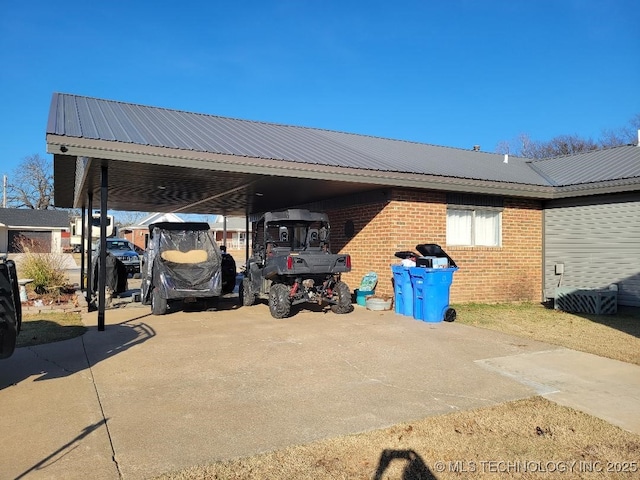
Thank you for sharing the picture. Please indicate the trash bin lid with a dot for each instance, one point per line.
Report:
(434, 250)
(405, 254)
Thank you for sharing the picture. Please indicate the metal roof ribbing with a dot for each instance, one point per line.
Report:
(617, 163)
(84, 117)
(438, 160)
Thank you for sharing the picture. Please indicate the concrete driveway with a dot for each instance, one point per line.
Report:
(152, 394)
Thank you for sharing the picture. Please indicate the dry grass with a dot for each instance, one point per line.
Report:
(41, 328)
(611, 336)
(493, 442)
(530, 438)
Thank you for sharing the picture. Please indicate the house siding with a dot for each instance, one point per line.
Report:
(406, 218)
(597, 239)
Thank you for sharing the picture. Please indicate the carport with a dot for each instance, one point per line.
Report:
(135, 158)
(138, 158)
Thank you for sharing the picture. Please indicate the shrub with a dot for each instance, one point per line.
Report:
(46, 269)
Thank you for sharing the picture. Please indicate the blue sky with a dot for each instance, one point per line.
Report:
(454, 73)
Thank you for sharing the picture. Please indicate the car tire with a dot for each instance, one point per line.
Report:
(158, 304)
(343, 304)
(279, 301)
(245, 293)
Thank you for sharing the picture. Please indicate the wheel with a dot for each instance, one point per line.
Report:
(212, 303)
(279, 302)
(245, 293)
(343, 304)
(450, 315)
(158, 304)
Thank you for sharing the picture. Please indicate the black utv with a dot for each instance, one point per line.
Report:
(292, 263)
(182, 263)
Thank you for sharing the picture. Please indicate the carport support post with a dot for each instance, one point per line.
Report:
(83, 238)
(224, 230)
(88, 225)
(102, 271)
(246, 236)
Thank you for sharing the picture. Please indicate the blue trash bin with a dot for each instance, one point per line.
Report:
(403, 290)
(431, 293)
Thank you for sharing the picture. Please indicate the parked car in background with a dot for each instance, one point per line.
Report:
(124, 251)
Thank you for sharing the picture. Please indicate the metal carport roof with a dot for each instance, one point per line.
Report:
(174, 161)
(169, 160)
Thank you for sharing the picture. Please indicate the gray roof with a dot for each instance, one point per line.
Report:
(185, 162)
(233, 224)
(617, 163)
(91, 118)
(29, 218)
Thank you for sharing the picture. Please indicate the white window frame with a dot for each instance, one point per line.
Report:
(472, 237)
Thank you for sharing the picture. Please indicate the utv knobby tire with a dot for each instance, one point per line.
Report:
(343, 304)
(158, 304)
(246, 294)
(279, 301)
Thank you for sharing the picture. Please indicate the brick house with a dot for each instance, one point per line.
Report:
(139, 234)
(491, 213)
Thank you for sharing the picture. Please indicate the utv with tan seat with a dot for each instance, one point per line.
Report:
(182, 263)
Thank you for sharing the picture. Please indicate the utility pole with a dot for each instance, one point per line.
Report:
(4, 191)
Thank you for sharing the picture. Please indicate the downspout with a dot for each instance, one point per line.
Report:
(544, 252)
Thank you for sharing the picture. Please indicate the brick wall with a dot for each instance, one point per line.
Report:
(135, 236)
(406, 218)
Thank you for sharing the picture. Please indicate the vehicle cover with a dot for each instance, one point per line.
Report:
(182, 261)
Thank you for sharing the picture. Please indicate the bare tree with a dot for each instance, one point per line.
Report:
(622, 136)
(127, 219)
(32, 184)
(524, 146)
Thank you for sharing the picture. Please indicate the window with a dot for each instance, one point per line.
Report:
(471, 226)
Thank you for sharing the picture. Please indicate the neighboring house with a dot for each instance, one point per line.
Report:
(139, 234)
(507, 222)
(41, 231)
(235, 229)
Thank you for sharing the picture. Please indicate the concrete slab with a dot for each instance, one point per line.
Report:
(602, 387)
(152, 394)
(52, 425)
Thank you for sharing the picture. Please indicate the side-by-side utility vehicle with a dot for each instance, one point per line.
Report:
(292, 263)
(182, 263)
